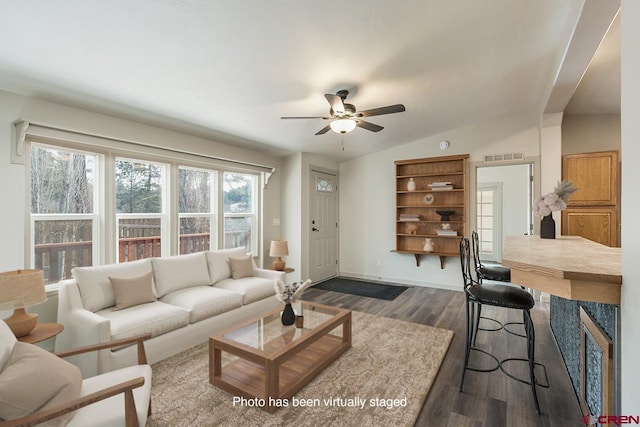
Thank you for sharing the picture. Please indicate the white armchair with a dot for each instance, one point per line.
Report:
(37, 386)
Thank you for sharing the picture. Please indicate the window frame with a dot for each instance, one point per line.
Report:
(255, 203)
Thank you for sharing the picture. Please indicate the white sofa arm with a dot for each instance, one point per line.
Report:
(81, 327)
(268, 274)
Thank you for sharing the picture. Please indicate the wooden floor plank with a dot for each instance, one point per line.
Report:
(489, 399)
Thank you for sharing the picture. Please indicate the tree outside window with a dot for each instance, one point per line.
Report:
(62, 210)
(239, 199)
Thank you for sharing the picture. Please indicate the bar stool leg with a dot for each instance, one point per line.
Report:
(531, 348)
(469, 338)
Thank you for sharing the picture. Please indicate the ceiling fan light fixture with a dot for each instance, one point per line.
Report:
(343, 125)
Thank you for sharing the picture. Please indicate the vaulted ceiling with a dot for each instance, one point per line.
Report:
(229, 70)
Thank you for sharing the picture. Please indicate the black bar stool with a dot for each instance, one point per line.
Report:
(498, 295)
(495, 272)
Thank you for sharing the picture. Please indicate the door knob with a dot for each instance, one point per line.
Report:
(314, 229)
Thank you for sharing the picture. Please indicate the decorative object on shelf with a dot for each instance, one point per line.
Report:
(279, 248)
(446, 230)
(440, 186)
(412, 228)
(409, 217)
(548, 227)
(411, 185)
(444, 215)
(428, 245)
(428, 199)
(288, 294)
(19, 289)
(556, 201)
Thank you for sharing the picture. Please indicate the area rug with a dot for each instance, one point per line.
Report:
(361, 288)
(382, 380)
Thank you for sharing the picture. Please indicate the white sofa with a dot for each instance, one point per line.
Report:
(194, 297)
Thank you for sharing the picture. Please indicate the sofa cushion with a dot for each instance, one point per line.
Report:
(204, 301)
(251, 288)
(156, 318)
(241, 266)
(34, 379)
(180, 271)
(95, 288)
(132, 291)
(219, 268)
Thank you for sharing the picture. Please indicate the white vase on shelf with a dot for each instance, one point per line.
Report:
(411, 185)
(428, 245)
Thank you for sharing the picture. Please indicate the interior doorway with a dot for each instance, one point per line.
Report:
(501, 205)
(323, 226)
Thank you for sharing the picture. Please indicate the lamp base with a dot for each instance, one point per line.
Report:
(278, 264)
(21, 323)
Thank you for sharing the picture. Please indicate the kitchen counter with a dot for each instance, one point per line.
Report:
(570, 267)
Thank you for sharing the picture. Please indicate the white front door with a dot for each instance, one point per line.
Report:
(323, 259)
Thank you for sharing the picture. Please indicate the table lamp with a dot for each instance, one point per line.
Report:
(19, 289)
(278, 249)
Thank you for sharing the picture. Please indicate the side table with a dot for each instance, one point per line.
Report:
(286, 269)
(41, 332)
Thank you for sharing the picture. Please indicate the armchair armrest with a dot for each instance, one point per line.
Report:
(125, 387)
(139, 339)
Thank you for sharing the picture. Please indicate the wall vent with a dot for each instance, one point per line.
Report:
(503, 157)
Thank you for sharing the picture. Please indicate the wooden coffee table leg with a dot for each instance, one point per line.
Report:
(272, 384)
(346, 330)
(215, 361)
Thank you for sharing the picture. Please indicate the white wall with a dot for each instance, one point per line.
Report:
(367, 203)
(630, 299)
(588, 133)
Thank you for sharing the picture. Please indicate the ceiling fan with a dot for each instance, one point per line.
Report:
(344, 117)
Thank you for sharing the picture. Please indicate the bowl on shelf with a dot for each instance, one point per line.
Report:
(444, 215)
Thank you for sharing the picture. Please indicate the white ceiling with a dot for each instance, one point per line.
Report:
(228, 70)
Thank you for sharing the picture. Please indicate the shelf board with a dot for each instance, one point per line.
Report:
(430, 206)
(453, 190)
(434, 221)
(419, 175)
(428, 235)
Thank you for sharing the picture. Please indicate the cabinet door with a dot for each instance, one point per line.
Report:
(595, 175)
(599, 224)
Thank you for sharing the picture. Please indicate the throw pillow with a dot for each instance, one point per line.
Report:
(241, 267)
(130, 291)
(33, 380)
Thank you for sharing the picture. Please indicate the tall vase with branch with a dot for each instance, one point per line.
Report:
(288, 294)
(556, 201)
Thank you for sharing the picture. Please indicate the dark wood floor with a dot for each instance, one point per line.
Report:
(489, 399)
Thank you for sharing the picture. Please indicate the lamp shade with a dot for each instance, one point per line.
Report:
(343, 125)
(21, 288)
(279, 248)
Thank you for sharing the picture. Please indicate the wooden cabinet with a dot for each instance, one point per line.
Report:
(593, 211)
(426, 190)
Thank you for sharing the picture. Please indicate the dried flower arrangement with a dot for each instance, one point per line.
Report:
(290, 293)
(555, 201)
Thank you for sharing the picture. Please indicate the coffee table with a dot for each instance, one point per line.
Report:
(273, 362)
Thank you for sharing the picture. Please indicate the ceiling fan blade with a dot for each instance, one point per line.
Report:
(369, 126)
(389, 109)
(336, 103)
(323, 130)
(289, 118)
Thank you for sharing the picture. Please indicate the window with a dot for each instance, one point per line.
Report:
(240, 219)
(107, 204)
(139, 209)
(195, 207)
(64, 223)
